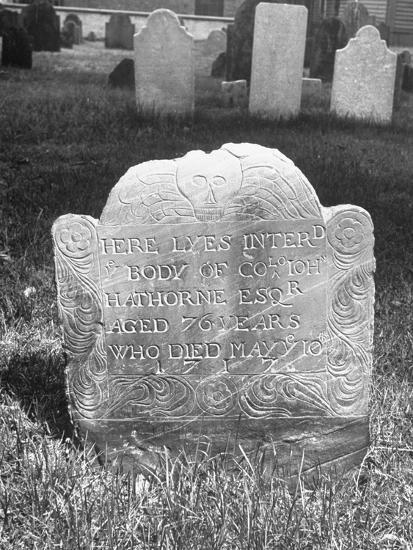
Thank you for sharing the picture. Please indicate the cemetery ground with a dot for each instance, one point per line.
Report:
(66, 138)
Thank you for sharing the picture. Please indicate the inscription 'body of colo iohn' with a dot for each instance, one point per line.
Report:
(216, 296)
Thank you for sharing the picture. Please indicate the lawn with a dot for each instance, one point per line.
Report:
(65, 140)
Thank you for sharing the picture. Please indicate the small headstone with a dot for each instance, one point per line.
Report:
(218, 68)
(16, 48)
(241, 40)
(330, 37)
(216, 43)
(355, 15)
(364, 78)
(164, 66)
(91, 36)
(119, 32)
(123, 75)
(235, 94)
(76, 19)
(42, 25)
(311, 86)
(277, 60)
(216, 301)
(74, 25)
(72, 32)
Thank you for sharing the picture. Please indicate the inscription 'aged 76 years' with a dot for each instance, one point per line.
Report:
(217, 300)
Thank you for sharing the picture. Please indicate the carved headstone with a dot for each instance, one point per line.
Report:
(119, 32)
(216, 300)
(364, 78)
(235, 94)
(164, 66)
(277, 60)
(43, 26)
(355, 15)
(330, 36)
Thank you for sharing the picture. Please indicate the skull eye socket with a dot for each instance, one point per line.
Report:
(218, 180)
(199, 181)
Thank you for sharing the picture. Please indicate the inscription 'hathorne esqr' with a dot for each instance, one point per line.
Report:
(217, 287)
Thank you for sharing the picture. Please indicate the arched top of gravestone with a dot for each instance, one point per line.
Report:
(162, 19)
(73, 17)
(237, 182)
(369, 35)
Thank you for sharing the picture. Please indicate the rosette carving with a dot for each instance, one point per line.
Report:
(217, 395)
(81, 312)
(349, 320)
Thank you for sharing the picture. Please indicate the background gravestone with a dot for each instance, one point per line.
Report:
(235, 94)
(42, 25)
(16, 48)
(218, 68)
(76, 19)
(119, 32)
(216, 43)
(330, 36)
(8, 19)
(355, 16)
(364, 78)
(164, 66)
(278, 60)
(72, 33)
(123, 75)
(216, 301)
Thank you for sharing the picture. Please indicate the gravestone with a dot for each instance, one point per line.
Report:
(364, 78)
(42, 25)
(216, 43)
(123, 75)
(277, 60)
(215, 300)
(241, 41)
(311, 86)
(164, 66)
(8, 19)
(72, 33)
(407, 70)
(330, 36)
(119, 32)
(16, 48)
(235, 94)
(76, 19)
(355, 15)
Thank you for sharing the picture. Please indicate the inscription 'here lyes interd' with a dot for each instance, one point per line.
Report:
(216, 296)
(235, 300)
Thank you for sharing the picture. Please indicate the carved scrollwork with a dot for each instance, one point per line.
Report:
(217, 395)
(81, 312)
(351, 295)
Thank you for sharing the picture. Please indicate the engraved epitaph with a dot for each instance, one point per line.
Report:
(216, 296)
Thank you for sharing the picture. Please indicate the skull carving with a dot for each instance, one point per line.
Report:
(208, 181)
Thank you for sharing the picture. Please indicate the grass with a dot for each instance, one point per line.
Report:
(65, 140)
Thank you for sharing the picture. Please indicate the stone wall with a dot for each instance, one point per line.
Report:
(178, 6)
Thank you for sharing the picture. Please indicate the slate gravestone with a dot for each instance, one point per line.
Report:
(164, 66)
(42, 25)
(278, 60)
(119, 32)
(364, 78)
(72, 32)
(215, 300)
(355, 15)
(216, 43)
(76, 19)
(16, 48)
(330, 36)
(123, 75)
(235, 94)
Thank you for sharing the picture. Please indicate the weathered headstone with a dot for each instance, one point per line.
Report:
(164, 66)
(235, 94)
(311, 86)
(72, 33)
(215, 300)
(364, 78)
(330, 36)
(241, 40)
(123, 75)
(277, 60)
(43, 26)
(119, 32)
(216, 43)
(16, 48)
(76, 19)
(355, 15)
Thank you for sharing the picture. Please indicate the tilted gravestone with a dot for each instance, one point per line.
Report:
(330, 36)
(164, 66)
(119, 32)
(43, 25)
(215, 300)
(277, 60)
(364, 78)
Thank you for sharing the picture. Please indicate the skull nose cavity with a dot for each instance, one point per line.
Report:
(210, 196)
